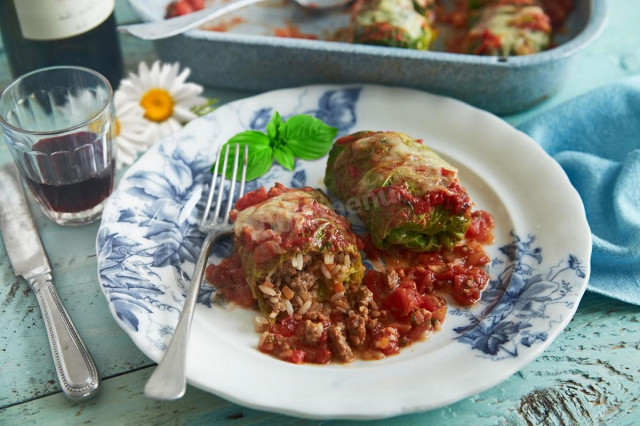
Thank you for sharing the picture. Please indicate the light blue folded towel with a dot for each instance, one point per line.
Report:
(596, 139)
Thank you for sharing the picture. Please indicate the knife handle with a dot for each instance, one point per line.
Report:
(77, 373)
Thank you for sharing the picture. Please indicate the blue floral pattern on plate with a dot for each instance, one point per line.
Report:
(516, 299)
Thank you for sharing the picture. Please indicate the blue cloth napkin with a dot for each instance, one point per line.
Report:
(596, 139)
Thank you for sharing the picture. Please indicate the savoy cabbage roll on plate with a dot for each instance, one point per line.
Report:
(405, 194)
(297, 253)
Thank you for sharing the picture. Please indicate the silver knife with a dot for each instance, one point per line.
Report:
(77, 373)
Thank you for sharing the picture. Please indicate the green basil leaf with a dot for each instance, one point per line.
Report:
(274, 129)
(260, 156)
(301, 136)
(284, 156)
(259, 163)
(253, 138)
(308, 138)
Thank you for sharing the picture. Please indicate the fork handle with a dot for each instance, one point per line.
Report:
(169, 380)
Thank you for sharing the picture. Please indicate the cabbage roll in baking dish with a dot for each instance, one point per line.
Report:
(507, 27)
(557, 10)
(404, 192)
(394, 23)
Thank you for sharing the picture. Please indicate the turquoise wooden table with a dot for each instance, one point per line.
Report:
(589, 375)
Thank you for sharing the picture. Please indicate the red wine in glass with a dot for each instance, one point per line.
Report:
(70, 188)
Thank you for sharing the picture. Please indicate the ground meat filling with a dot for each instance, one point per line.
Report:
(389, 310)
(339, 345)
(363, 330)
(307, 284)
(290, 289)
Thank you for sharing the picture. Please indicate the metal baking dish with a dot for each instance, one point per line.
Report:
(243, 58)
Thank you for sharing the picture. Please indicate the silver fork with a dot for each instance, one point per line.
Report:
(169, 380)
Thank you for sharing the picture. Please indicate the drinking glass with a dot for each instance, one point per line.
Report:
(58, 123)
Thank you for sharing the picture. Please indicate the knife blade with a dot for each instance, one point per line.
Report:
(76, 371)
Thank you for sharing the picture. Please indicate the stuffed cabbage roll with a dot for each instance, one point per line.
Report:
(298, 255)
(508, 27)
(557, 10)
(392, 23)
(403, 191)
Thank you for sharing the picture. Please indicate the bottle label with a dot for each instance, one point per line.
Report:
(54, 19)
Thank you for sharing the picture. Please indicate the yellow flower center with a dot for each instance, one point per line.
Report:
(157, 104)
(117, 127)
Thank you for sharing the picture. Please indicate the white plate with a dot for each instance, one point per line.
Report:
(148, 242)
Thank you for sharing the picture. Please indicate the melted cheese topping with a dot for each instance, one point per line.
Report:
(277, 213)
(503, 21)
(403, 159)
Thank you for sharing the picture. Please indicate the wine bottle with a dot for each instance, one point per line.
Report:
(42, 33)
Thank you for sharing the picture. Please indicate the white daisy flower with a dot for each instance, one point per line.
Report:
(164, 95)
(129, 128)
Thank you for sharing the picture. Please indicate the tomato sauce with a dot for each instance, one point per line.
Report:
(288, 333)
(229, 279)
(292, 31)
(183, 7)
(227, 25)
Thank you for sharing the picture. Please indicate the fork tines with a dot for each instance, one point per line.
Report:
(215, 219)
